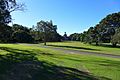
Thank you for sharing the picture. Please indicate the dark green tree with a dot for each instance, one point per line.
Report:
(21, 34)
(47, 28)
(108, 26)
(116, 38)
(5, 34)
(6, 7)
(75, 37)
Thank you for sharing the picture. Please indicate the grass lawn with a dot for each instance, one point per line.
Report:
(86, 47)
(20, 62)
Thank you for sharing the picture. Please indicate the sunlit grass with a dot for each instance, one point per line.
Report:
(97, 66)
(86, 47)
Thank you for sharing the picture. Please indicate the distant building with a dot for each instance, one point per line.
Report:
(65, 37)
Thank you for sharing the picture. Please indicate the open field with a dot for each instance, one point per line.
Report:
(20, 62)
(86, 47)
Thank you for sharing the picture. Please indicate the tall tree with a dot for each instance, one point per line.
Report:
(6, 7)
(108, 26)
(46, 27)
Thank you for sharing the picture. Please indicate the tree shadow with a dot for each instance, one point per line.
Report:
(24, 65)
(107, 45)
(74, 47)
(109, 63)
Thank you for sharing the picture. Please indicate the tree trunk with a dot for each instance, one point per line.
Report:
(114, 44)
(97, 43)
(45, 34)
(44, 43)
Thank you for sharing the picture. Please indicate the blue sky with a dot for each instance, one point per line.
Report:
(69, 15)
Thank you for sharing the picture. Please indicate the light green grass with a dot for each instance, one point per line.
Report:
(86, 47)
(101, 67)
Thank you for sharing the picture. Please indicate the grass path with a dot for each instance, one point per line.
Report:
(70, 51)
(105, 49)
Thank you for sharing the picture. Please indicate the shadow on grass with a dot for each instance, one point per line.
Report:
(23, 65)
(107, 45)
(74, 47)
(110, 63)
(115, 64)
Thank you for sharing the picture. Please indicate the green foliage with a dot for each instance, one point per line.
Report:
(5, 16)
(21, 34)
(5, 33)
(22, 37)
(104, 32)
(75, 37)
(6, 7)
(116, 38)
(49, 31)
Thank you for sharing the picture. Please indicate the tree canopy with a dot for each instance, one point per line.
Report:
(107, 30)
(48, 29)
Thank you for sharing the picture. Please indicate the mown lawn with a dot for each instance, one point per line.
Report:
(86, 47)
(20, 62)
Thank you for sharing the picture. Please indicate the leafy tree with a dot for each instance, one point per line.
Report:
(104, 31)
(17, 27)
(54, 37)
(47, 28)
(38, 36)
(108, 25)
(111, 20)
(6, 7)
(21, 34)
(75, 37)
(5, 33)
(22, 37)
(116, 38)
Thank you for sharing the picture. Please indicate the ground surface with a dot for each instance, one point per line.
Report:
(32, 62)
(75, 51)
(104, 48)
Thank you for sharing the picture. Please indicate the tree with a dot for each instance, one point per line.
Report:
(107, 26)
(116, 38)
(22, 37)
(111, 20)
(75, 37)
(37, 35)
(6, 7)
(21, 34)
(17, 27)
(5, 33)
(47, 28)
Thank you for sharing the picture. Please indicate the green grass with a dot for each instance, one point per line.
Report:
(86, 47)
(53, 65)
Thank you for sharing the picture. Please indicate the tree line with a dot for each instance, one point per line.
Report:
(106, 31)
(42, 32)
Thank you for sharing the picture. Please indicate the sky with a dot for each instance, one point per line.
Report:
(70, 16)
